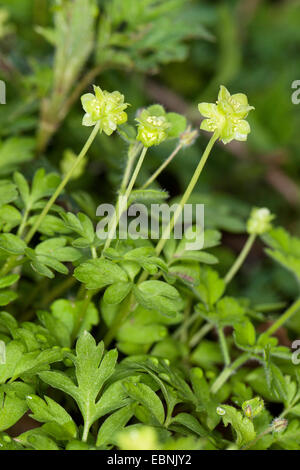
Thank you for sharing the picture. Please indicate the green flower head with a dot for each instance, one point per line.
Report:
(259, 221)
(253, 407)
(152, 127)
(108, 108)
(227, 116)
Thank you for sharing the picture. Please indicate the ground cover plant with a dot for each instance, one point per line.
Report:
(122, 338)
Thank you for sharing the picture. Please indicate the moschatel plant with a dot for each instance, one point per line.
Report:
(137, 343)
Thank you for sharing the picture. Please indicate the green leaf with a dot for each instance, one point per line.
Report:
(113, 425)
(211, 287)
(38, 440)
(276, 381)
(13, 403)
(23, 187)
(227, 311)
(9, 280)
(48, 411)
(244, 333)
(99, 273)
(178, 125)
(146, 397)
(12, 244)
(158, 295)
(56, 248)
(93, 368)
(10, 218)
(147, 196)
(66, 319)
(43, 185)
(8, 192)
(14, 151)
(7, 296)
(285, 249)
(117, 292)
(82, 225)
(241, 424)
(191, 423)
(50, 225)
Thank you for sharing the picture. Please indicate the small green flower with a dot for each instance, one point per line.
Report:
(152, 129)
(259, 221)
(253, 407)
(227, 116)
(108, 108)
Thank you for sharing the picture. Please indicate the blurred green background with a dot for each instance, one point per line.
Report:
(176, 52)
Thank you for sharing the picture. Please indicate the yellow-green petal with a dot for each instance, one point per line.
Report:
(207, 109)
(224, 94)
(88, 121)
(85, 100)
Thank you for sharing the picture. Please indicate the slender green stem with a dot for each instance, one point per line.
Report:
(135, 173)
(196, 338)
(283, 318)
(187, 194)
(262, 434)
(132, 154)
(163, 166)
(228, 371)
(86, 430)
(64, 182)
(183, 201)
(184, 326)
(23, 223)
(224, 347)
(123, 201)
(121, 317)
(240, 259)
(59, 290)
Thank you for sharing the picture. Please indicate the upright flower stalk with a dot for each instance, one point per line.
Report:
(258, 224)
(104, 111)
(187, 193)
(226, 119)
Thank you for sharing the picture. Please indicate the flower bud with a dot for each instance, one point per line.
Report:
(279, 424)
(151, 128)
(259, 221)
(253, 407)
(188, 137)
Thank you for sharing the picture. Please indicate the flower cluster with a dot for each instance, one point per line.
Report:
(108, 108)
(227, 116)
(259, 221)
(152, 129)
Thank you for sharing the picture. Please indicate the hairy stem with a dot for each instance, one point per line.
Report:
(283, 318)
(162, 167)
(228, 371)
(64, 182)
(224, 346)
(196, 338)
(187, 194)
(123, 201)
(170, 226)
(240, 259)
(120, 318)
